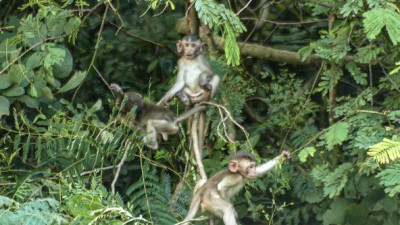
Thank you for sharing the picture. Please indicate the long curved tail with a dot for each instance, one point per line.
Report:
(194, 207)
(190, 112)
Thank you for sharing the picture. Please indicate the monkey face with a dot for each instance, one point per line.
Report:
(191, 49)
(251, 170)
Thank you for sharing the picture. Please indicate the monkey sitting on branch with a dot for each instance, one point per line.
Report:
(157, 119)
(195, 81)
(214, 196)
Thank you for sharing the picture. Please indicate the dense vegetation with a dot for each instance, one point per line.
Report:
(316, 78)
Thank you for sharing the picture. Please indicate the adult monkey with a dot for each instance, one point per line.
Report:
(157, 119)
(214, 196)
(195, 83)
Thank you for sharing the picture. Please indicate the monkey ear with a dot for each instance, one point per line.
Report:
(203, 47)
(179, 46)
(233, 166)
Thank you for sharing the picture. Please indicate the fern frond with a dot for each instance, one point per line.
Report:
(385, 151)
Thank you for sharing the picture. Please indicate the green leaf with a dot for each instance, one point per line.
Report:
(14, 91)
(335, 182)
(63, 69)
(305, 52)
(5, 81)
(46, 92)
(304, 153)
(16, 73)
(152, 66)
(385, 151)
(4, 106)
(336, 213)
(75, 80)
(29, 101)
(54, 56)
(336, 134)
(390, 178)
(378, 18)
(35, 60)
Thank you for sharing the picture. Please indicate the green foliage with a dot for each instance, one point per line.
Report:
(378, 18)
(36, 211)
(385, 151)
(329, 80)
(336, 134)
(150, 196)
(36, 76)
(304, 153)
(63, 141)
(331, 47)
(390, 178)
(216, 16)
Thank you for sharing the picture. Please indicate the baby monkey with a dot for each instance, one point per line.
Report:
(214, 196)
(157, 119)
(195, 81)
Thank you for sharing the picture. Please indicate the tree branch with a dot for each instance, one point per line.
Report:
(261, 51)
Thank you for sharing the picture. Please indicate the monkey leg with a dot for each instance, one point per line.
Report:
(222, 209)
(215, 85)
(183, 98)
(158, 126)
(194, 207)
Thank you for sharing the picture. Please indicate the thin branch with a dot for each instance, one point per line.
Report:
(94, 53)
(119, 166)
(97, 170)
(247, 5)
(284, 23)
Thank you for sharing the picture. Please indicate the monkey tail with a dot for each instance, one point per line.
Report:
(190, 112)
(194, 207)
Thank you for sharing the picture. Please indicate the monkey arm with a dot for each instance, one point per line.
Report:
(264, 168)
(177, 87)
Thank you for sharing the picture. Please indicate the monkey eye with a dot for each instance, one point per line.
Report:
(193, 45)
(186, 44)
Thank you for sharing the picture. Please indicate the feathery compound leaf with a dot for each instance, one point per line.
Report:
(303, 154)
(385, 151)
(390, 178)
(336, 134)
(377, 18)
(216, 15)
(334, 182)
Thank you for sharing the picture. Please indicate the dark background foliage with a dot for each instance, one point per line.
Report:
(316, 78)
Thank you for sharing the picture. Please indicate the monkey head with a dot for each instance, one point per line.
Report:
(244, 163)
(130, 100)
(191, 45)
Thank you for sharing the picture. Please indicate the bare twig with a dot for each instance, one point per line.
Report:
(120, 164)
(247, 5)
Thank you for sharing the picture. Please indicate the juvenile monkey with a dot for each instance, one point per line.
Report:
(195, 80)
(214, 196)
(157, 119)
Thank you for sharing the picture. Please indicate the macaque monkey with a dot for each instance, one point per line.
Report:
(157, 119)
(214, 195)
(195, 80)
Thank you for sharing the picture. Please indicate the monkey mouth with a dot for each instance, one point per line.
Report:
(189, 56)
(252, 177)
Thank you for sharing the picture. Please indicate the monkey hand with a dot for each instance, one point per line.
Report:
(166, 104)
(207, 95)
(286, 155)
